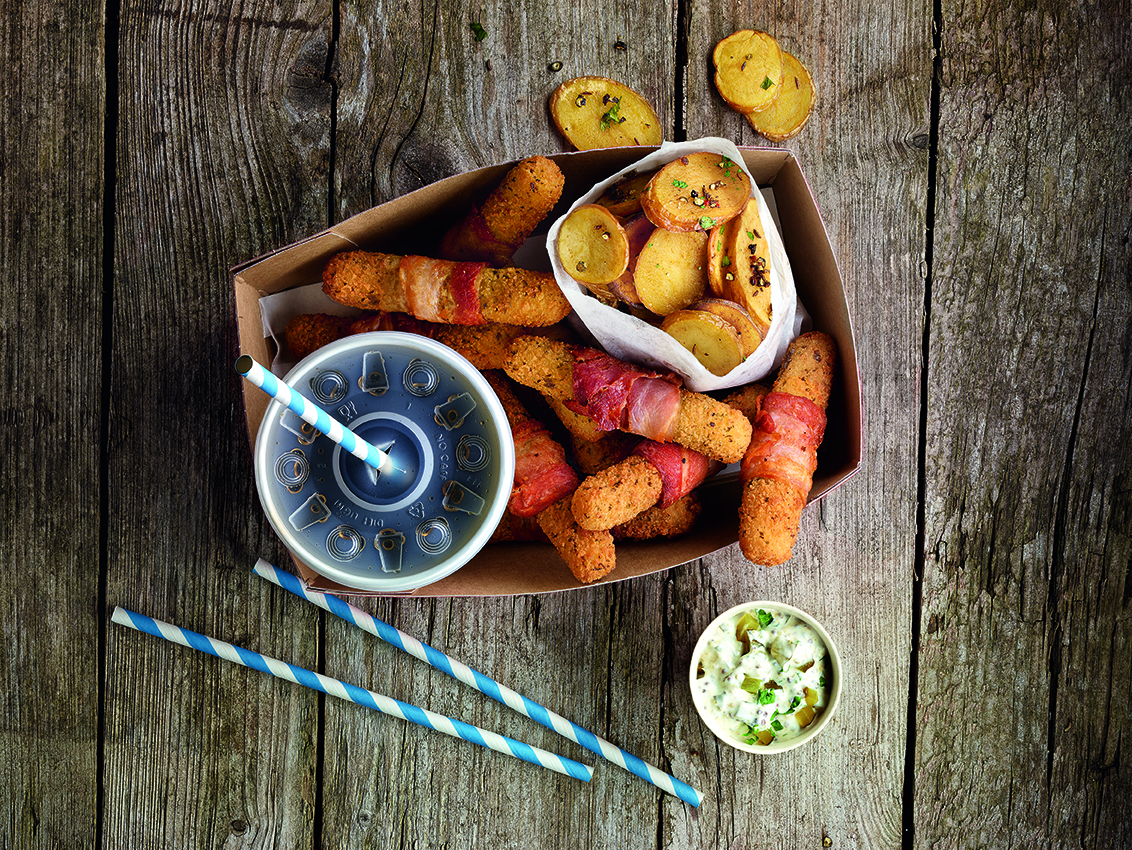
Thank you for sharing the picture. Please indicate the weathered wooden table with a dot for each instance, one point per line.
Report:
(973, 163)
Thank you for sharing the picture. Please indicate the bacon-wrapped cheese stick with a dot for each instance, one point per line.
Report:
(444, 291)
(617, 395)
(748, 400)
(542, 489)
(779, 465)
(653, 474)
(578, 424)
(542, 475)
(672, 521)
(593, 456)
(497, 228)
(588, 554)
(485, 346)
(678, 518)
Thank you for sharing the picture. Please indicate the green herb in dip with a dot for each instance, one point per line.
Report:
(763, 676)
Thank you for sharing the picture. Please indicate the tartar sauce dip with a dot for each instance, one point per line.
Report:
(762, 676)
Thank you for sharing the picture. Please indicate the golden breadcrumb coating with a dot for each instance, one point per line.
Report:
(588, 554)
(617, 494)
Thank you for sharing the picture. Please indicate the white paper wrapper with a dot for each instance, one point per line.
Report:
(629, 338)
(276, 312)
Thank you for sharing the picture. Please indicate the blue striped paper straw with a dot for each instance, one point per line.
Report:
(353, 693)
(310, 412)
(483, 684)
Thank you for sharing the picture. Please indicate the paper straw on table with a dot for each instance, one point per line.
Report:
(482, 683)
(353, 693)
(310, 412)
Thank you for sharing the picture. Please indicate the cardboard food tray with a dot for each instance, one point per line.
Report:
(410, 224)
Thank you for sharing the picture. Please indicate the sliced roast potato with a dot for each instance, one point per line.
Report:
(748, 70)
(750, 337)
(671, 270)
(696, 192)
(592, 247)
(710, 338)
(597, 112)
(747, 280)
(623, 198)
(790, 111)
(718, 260)
(637, 230)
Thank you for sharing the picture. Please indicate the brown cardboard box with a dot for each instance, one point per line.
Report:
(412, 223)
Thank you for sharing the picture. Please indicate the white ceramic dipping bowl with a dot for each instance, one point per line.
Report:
(719, 728)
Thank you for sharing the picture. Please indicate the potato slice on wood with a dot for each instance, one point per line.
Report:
(748, 70)
(750, 337)
(671, 270)
(747, 279)
(789, 113)
(710, 338)
(696, 192)
(592, 247)
(596, 112)
(623, 198)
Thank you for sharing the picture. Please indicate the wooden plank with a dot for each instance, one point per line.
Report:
(1024, 676)
(419, 99)
(864, 153)
(51, 243)
(224, 126)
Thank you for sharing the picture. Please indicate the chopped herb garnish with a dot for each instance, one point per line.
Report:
(767, 83)
(794, 703)
(821, 681)
(680, 184)
(776, 726)
(707, 222)
(766, 696)
(726, 261)
(478, 31)
(611, 117)
(765, 619)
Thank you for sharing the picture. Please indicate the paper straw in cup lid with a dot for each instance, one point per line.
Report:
(401, 524)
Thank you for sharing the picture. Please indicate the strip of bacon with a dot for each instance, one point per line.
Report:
(681, 470)
(465, 292)
(542, 475)
(785, 442)
(422, 279)
(617, 395)
(653, 408)
(425, 282)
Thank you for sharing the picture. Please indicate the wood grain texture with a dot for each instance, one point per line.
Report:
(223, 121)
(993, 323)
(864, 153)
(51, 243)
(419, 98)
(1025, 600)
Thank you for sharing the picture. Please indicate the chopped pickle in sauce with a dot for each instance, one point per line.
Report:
(804, 716)
(763, 676)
